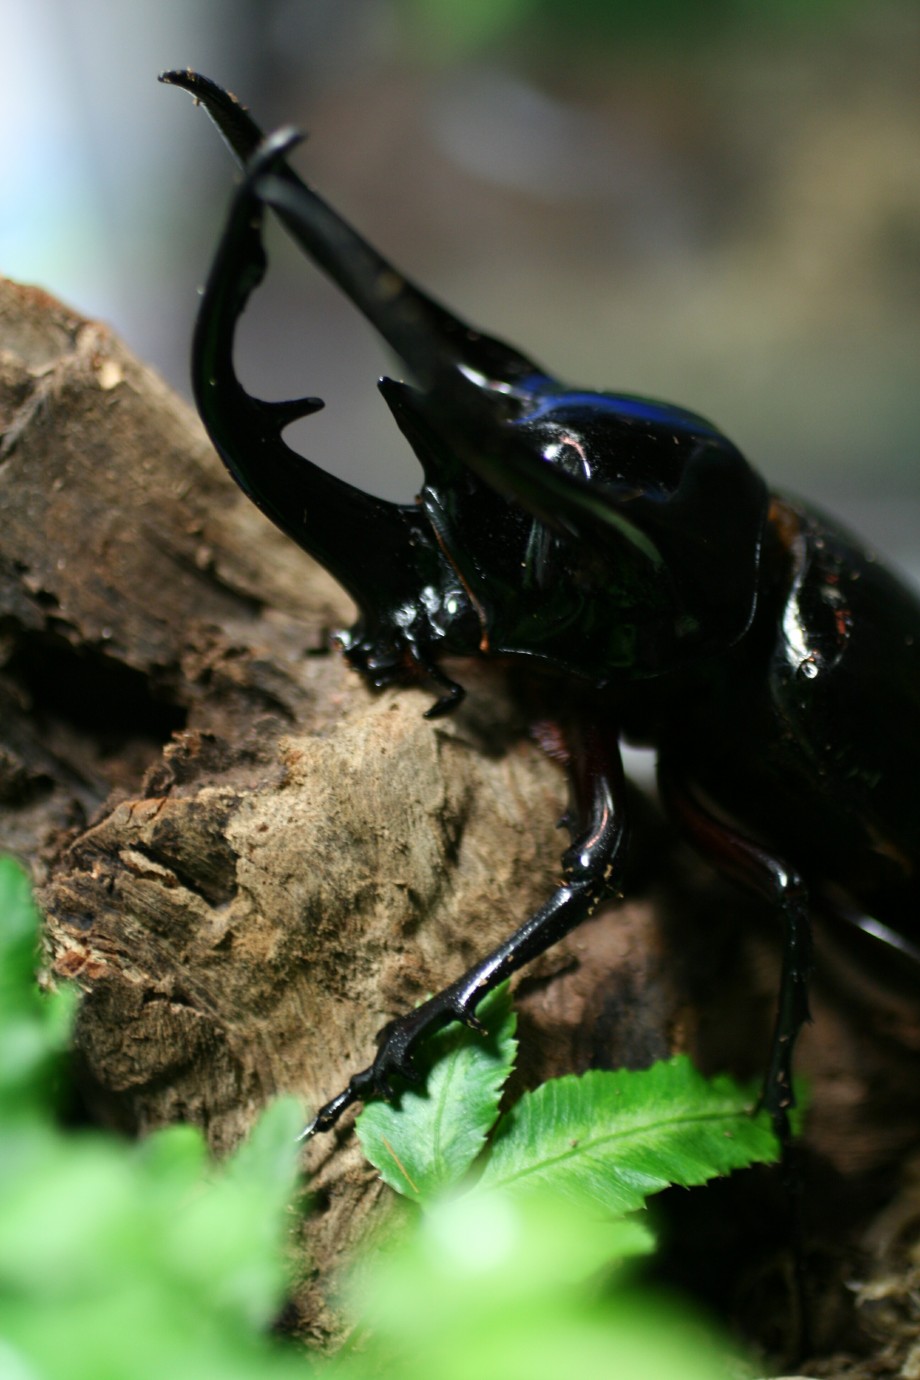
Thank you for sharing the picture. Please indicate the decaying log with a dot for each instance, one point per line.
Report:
(248, 861)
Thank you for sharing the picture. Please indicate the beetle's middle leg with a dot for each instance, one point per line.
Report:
(591, 871)
(759, 870)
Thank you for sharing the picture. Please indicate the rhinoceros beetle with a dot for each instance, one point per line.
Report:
(623, 547)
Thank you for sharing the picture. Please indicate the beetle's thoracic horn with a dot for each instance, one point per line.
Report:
(427, 337)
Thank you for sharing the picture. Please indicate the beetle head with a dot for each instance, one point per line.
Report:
(605, 534)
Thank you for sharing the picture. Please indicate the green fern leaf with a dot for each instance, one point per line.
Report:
(424, 1145)
(616, 1138)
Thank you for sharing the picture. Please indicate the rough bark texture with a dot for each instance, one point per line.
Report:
(249, 862)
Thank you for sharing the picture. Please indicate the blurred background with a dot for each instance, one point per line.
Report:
(716, 202)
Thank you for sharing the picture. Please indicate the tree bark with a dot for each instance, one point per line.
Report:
(249, 862)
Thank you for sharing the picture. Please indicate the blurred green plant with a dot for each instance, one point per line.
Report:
(450, 29)
(34, 1029)
(529, 1288)
(127, 1261)
(121, 1261)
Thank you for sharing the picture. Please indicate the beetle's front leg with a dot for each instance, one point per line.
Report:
(591, 872)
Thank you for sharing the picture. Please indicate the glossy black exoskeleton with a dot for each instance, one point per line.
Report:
(625, 547)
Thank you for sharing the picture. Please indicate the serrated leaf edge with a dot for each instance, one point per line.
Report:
(518, 1123)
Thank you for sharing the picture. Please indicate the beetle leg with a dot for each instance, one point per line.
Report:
(453, 693)
(747, 862)
(591, 868)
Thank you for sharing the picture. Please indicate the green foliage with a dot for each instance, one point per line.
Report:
(491, 1282)
(453, 29)
(523, 1271)
(118, 1261)
(607, 1139)
(34, 1029)
(426, 1144)
(134, 1261)
(615, 1138)
(521, 1288)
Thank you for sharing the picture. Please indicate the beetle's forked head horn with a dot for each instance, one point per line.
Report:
(384, 554)
(370, 546)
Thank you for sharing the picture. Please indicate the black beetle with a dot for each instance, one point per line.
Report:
(625, 547)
